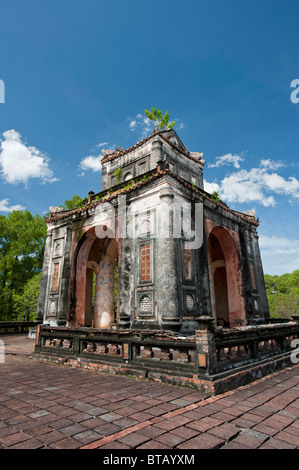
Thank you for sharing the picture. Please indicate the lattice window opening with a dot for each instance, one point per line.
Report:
(182, 355)
(58, 343)
(289, 341)
(268, 345)
(111, 349)
(144, 228)
(145, 262)
(232, 353)
(145, 303)
(114, 349)
(190, 302)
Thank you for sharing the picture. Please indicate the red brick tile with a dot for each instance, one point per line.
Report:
(225, 431)
(38, 430)
(261, 427)
(115, 445)
(67, 443)
(86, 437)
(170, 439)
(140, 416)
(234, 445)
(288, 438)
(243, 423)
(51, 437)
(28, 444)
(204, 424)
(134, 439)
(167, 425)
(152, 431)
(202, 441)
(253, 440)
(14, 439)
(277, 422)
(153, 445)
(278, 444)
(185, 432)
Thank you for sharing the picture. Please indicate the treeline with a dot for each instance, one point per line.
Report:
(22, 240)
(283, 294)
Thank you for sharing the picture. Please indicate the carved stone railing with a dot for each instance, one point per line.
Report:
(16, 327)
(241, 346)
(210, 356)
(156, 350)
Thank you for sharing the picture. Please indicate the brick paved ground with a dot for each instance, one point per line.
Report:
(59, 407)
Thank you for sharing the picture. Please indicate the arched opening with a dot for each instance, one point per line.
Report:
(95, 290)
(228, 304)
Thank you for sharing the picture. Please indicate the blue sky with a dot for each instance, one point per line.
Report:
(78, 76)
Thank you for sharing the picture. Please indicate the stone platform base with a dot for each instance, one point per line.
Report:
(216, 384)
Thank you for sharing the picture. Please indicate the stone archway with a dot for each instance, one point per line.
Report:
(226, 285)
(94, 281)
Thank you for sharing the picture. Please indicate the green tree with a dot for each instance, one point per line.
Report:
(162, 122)
(283, 294)
(22, 238)
(25, 302)
(73, 203)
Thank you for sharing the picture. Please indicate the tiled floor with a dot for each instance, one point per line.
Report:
(53, 406)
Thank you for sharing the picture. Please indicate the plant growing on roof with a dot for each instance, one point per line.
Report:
(216, 197)
(117, 175)
(161, 122)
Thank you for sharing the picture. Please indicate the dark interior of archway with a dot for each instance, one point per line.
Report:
(215, 248)
(220, 282)
(221, 297)
(97, 251)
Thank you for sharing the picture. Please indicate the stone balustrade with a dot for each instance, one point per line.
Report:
(215, 359)
(16, 327)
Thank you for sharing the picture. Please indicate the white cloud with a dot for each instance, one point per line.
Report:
(211, 187)
(91, 163)
(4, 206)
(20, 162)
(227, 159)
(259, 185)
(144, 126)
(271, 164)
(279, 254)
(102, 144)
(141, 124)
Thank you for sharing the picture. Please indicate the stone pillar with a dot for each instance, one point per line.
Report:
(104, 295)
(63, 302)
(157, 149)
(206, 357)
(45, 279)
(261, 280)
(167, 265)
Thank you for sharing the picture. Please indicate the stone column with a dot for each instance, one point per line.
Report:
(206, 357)
(157, 149)
(45, 279)
(104, 295)
(261, 280)
(167, 265)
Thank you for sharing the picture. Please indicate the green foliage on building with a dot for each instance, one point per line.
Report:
(161, 121)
